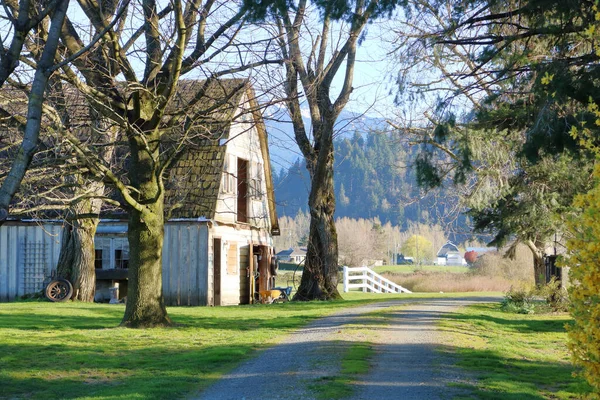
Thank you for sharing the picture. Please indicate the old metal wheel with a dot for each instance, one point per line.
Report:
(59, 290)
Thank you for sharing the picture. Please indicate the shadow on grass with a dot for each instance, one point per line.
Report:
(156, 372)
(499, 377)
(513, 322)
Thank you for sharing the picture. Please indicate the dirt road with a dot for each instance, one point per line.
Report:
(405, 365)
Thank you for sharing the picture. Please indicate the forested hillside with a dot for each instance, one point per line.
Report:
(373, 178)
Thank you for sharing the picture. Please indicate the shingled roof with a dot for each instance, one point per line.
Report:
(193, 181)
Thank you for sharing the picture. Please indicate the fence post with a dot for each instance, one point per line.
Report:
(345, 279)
(365, 281)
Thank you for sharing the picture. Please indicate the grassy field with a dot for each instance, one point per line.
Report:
(512, 356)
(77, 351)
(74, 350)
(409, 269)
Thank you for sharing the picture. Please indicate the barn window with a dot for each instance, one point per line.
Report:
(242, 194)
(121, 259)
(232, 259)
(98, 259)
(228, 176)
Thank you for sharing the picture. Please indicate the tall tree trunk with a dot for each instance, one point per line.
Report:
(76, 259)
(145, 305)
(320, 276)
(77, 253)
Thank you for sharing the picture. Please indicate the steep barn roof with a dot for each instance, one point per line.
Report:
(193, 181)
(195, 178)
(447, 249)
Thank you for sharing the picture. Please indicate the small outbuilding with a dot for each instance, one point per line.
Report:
(449, 254)
(295, 255)
(218, 238)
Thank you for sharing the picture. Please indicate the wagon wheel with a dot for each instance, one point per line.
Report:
(59, 290)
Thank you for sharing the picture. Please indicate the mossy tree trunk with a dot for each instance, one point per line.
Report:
(145, 304)
(76, 258)
(315, 73)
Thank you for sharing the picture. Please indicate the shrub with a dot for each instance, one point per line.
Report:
(584, 248)
(519, 300)
(555, 295)
(495, 265)
(471, 257)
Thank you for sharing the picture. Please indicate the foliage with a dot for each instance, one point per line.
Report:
(550, 297)
(517, 74)
(555, 295)
(512, 356)
(418, 247)
(494, 264)
(584, 249)
(519, 300)
(470, 257)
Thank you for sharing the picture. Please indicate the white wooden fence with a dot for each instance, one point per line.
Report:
(369, 281)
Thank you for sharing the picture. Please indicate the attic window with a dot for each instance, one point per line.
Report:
(228, 177)
(255, 189)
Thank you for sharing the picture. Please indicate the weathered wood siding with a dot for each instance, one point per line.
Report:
(234, 277)
(185, 264)
(187, 260)
(28, 254)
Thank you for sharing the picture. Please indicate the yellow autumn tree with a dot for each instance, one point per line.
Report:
(584, 247)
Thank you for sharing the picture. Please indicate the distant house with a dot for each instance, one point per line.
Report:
(218, 243)
(450, 255)
(295, 255)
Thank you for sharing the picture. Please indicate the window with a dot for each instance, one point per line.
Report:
(98, 259)
(121, 259)
(228, 177)
(242, 190)
(255, 189)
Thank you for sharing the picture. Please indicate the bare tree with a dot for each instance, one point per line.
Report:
(23, 18)
(315, 56)
(198, 39)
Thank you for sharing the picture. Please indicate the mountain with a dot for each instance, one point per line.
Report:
(372, 178)
(282, 146)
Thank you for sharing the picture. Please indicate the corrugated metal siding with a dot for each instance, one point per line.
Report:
(38, 246)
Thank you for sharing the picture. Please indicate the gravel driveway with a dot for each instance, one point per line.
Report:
(405, 365)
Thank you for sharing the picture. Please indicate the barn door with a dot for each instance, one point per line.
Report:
(250, 275)
(242, 192)
(217, 271)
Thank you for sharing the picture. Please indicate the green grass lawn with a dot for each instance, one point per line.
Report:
(512, 356)
(77, 351)
(409, 269)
